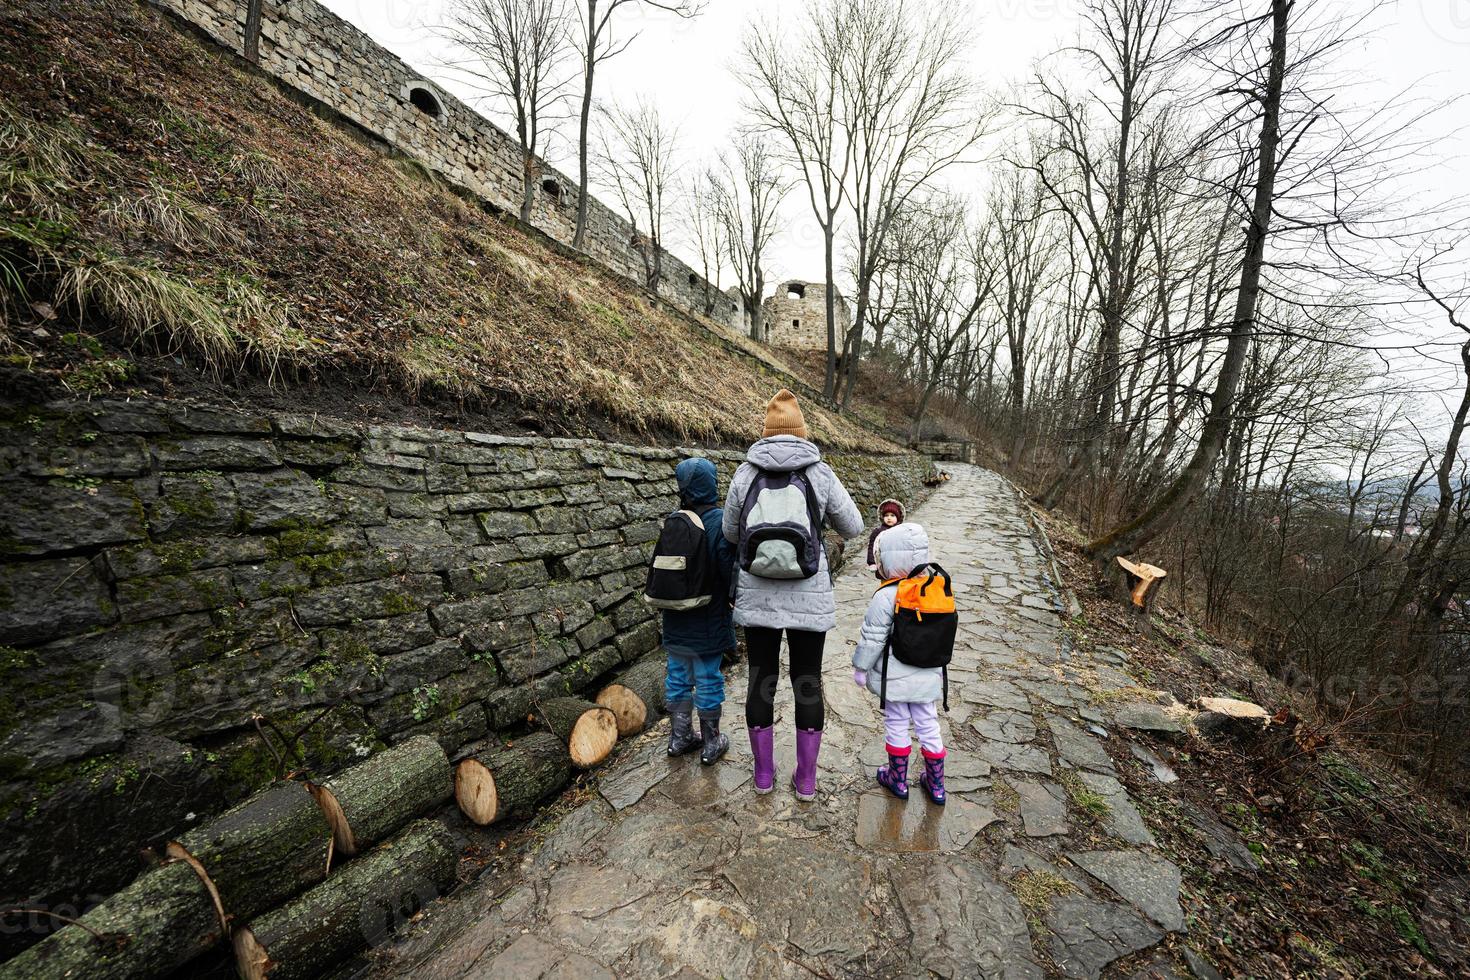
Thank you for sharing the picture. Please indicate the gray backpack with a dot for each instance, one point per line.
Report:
(781, 526)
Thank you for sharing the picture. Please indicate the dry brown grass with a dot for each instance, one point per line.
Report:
(219, 220)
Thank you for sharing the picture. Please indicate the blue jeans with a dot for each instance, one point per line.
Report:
(696, 677)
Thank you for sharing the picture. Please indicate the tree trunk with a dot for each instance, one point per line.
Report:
(252, 31)
(151, 928)
(590, 65)
(354, 908)
(528, 184)
(374, 798)
(829, 379)
(636, 697)
(854, 348)
(498, 783)
(1164, 511)
(588, 730)
(273, 846)
(1407, 501)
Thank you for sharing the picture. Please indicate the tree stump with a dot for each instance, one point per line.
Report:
(1142, 582)
(264, 851)
(498, 783)
(636, 697)
(353, 908)
(588, 730)
(374, 798)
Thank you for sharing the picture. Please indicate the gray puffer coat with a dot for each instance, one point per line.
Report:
(900, 549)
(802, 603)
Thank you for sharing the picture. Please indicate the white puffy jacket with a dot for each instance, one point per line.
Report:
(899, 550)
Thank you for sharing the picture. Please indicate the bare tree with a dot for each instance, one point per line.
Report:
(516, 50)
(907, 111)
(1264, 95)
(1026, 243)
(598, 45)
(702, 216)
(1092, 181)
(637, 157)
(794, 78)
(750, 187)
(949, 278)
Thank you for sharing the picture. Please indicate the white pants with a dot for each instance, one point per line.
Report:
(924, 716)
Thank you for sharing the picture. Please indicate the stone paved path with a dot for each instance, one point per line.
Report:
(1039, 864)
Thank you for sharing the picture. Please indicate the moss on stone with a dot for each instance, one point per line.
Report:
(302, 539)
(398, 604)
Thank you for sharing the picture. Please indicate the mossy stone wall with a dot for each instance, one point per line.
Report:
(192, 599)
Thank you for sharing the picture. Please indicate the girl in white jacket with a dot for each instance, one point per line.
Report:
(912, 691)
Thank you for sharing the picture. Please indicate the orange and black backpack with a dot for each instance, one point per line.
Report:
(924, 624)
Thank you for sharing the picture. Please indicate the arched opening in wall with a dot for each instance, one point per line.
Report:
(795, 290)
(693, 279)
(552, 189)
(426, 102)
(795, 324)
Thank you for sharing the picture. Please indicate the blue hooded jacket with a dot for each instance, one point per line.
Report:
(710, 630)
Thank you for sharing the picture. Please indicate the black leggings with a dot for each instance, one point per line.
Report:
(764, 647)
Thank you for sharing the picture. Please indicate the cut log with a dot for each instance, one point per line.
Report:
(636, 697)
(353, 908)
(499, 783)
(273, 846)
(151, 928)
(374, 798)
(588, 730)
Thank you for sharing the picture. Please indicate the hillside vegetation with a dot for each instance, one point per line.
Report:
(171, 222)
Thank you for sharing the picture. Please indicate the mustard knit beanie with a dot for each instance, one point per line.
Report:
(783, 417)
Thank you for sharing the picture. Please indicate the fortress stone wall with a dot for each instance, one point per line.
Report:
(314, 51)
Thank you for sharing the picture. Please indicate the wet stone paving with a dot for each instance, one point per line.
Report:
(1039, 865)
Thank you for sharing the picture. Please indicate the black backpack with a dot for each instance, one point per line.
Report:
(924, 625)
(681, 573)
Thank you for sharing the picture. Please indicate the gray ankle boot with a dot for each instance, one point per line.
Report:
(716, 744)
(682, 739)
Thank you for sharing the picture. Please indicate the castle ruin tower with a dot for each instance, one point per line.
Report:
(796, 315)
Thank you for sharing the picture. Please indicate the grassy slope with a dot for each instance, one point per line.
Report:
(182, 227)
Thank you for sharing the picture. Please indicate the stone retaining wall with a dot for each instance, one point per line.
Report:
(183, 590)
(317, 53)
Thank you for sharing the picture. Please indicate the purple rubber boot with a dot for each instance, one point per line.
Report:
(763, 749)
(804, 776)
(894, 777)
(933, 778)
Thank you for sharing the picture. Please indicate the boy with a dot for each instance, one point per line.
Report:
(697, 639)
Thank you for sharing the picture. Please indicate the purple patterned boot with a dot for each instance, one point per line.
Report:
(763, 775)
(933, 778)
(894, 777)
(804, 776)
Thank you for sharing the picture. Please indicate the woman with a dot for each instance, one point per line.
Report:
(779, 499)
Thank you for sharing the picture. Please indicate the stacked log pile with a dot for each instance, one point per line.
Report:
(302, 874)
(274, 846)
